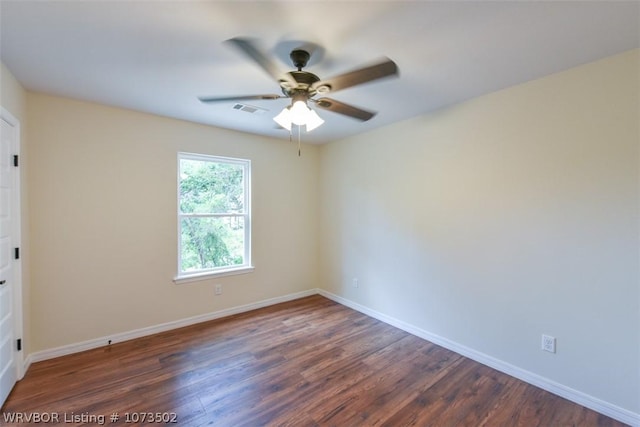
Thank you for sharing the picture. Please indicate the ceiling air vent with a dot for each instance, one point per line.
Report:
(249, 108)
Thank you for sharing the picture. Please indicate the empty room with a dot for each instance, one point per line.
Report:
(320, 213)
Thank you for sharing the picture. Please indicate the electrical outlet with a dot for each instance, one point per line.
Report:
(355, 282)
(218, 289)
(548, 343)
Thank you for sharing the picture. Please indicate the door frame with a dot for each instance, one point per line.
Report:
(16, 236)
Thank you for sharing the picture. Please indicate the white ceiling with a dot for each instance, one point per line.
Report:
(159, 56)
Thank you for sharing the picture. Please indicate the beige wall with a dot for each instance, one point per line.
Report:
(103, 220)
(12, 94)
(500, 219)
(13, 99)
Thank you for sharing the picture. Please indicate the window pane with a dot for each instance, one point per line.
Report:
(211, 187)
(212, 242)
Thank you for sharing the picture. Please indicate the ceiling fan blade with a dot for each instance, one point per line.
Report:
(342, 108)
(380, 70)
(239, 98)
(249, 48)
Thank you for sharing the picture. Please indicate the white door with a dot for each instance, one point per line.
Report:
(8, 373)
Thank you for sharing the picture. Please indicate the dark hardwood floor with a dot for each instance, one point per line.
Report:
(309, 362)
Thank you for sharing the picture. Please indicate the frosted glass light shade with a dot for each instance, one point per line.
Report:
(299, 113)
(313, 120)
(284, 119)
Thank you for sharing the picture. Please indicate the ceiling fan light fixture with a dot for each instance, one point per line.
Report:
(298, 114)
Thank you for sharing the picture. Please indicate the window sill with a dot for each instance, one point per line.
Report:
(187, 278)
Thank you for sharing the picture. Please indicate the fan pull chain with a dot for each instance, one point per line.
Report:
(291, 140)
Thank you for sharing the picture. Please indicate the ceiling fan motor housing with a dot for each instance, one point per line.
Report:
(304, 79)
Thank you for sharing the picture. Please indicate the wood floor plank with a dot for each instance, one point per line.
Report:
(307, 362)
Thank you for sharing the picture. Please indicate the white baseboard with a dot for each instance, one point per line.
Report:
(142, 332)
(551, 386)
(26, 363)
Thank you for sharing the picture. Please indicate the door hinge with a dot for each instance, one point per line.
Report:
(16, 161)
(16, 254)
(19, 344)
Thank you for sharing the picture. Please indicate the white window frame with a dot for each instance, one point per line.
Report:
(246, 267)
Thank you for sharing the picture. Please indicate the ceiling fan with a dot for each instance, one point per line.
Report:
(303, 86)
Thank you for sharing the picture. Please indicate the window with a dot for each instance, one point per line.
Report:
(214, 220)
